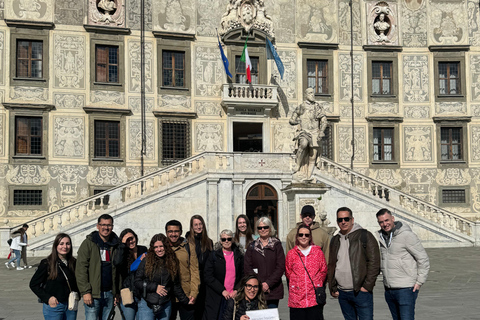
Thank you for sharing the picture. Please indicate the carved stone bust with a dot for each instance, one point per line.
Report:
(106, 12)
(382, 24)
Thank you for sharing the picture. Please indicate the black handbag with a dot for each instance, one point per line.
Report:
(320, 294)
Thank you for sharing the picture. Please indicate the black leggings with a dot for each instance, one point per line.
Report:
(312, 313)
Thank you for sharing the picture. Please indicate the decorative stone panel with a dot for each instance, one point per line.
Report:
(28, 94)
(106, 13)
(283, 134)
(134, 103)
(420, 182)
(453, 177)
(69, 100)
(345, 77)
(69, 180)
(415, 78)
(2, 135)
(383, 108)
(69, 12)
(475, 76)
(447, 23)
(134, 82)
(69, 61)
(344, 22)
(317, 21)
(176, 15)
(27, 174)
(133, 14)
(416, 112)
(450, 108)
(414, 23)
(418, 143)
(174, 102)
(2, 11)
(209, 137)
(135, 143)
(289, 82)
(283, 17)
(208, 20)
(106, 176)
(2, 58)
(69, 137)
(29, 10)
(475, 143)
(209, 72)
(389, 177)
(473, 23)
(345, 146)
(107, 97)
(346, 111)
(209, 108)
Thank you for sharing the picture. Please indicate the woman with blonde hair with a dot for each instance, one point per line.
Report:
(266, 258)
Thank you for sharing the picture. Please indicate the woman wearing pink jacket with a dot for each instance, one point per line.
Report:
(305, 268)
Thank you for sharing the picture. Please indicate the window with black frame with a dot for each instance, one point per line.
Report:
(383, 144)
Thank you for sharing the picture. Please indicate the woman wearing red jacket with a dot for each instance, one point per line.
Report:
(301, 296)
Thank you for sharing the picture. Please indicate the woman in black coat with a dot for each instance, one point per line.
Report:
(222, 274)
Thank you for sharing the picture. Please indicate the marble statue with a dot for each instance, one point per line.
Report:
(311, 121)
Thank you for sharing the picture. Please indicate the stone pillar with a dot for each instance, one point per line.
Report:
(225, 205)
(238, 198)
(212, 208)
(301, 194)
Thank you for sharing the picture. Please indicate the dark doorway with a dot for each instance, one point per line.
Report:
(262, 200)
(247, 137)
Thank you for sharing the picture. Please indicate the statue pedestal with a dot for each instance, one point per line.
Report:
(301, 194)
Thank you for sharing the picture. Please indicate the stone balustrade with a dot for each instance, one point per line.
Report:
(408, 202)
(208, 162)
(253, 93)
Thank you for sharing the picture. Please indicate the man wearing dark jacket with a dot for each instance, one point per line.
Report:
(353, 267)
(95, 273)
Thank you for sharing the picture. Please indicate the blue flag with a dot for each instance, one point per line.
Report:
(272, 54)
(224, 59)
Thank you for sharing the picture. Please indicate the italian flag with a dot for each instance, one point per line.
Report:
(248, 64)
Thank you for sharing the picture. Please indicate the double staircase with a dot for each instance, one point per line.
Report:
(129, 197)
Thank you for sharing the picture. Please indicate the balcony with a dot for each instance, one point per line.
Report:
(244, 99)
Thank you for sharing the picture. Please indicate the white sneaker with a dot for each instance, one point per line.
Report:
(12, 264)
(27, 267)
(7, 265)
(19, 268)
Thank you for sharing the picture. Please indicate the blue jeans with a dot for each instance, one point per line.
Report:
(146, 313)
(356, 307)
(16, 256)
(401, 303)
(60, 312)
(131, 310)
(101, 307)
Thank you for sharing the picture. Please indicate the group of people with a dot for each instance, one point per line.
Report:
(198, 279)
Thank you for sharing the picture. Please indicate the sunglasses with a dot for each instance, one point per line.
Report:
(301, 235)
(341, 219)
(263, 228)
(226, 239)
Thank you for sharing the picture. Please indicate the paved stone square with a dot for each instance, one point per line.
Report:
(452, 291)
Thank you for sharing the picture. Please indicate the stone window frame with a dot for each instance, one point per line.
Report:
(382, 56)
(29, 34)
(447, 56)
(179, 43)
(113, 40)
(385, 122)
(453, 122)
(456, 204)
(319, 51)
(11, 190)
(28, 110)
(253, 51)
(331, 120)
(107, 114)
(185, 117)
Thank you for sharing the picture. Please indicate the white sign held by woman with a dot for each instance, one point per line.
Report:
(266, 314)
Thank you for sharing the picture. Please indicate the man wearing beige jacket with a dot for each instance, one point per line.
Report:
(404, 265)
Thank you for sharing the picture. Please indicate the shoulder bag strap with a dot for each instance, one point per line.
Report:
(308, 274)
(60, 267)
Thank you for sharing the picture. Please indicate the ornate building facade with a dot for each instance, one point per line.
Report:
(70, 112)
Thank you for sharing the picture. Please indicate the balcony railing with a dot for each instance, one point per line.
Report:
(238, 94)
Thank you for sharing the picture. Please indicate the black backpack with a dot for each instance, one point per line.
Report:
(9, 241)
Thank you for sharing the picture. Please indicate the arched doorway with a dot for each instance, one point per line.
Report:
(262, 200)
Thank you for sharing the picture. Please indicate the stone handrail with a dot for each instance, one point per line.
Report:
(253, 93)
(54, 221)
(410, 203)
(217, 162)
